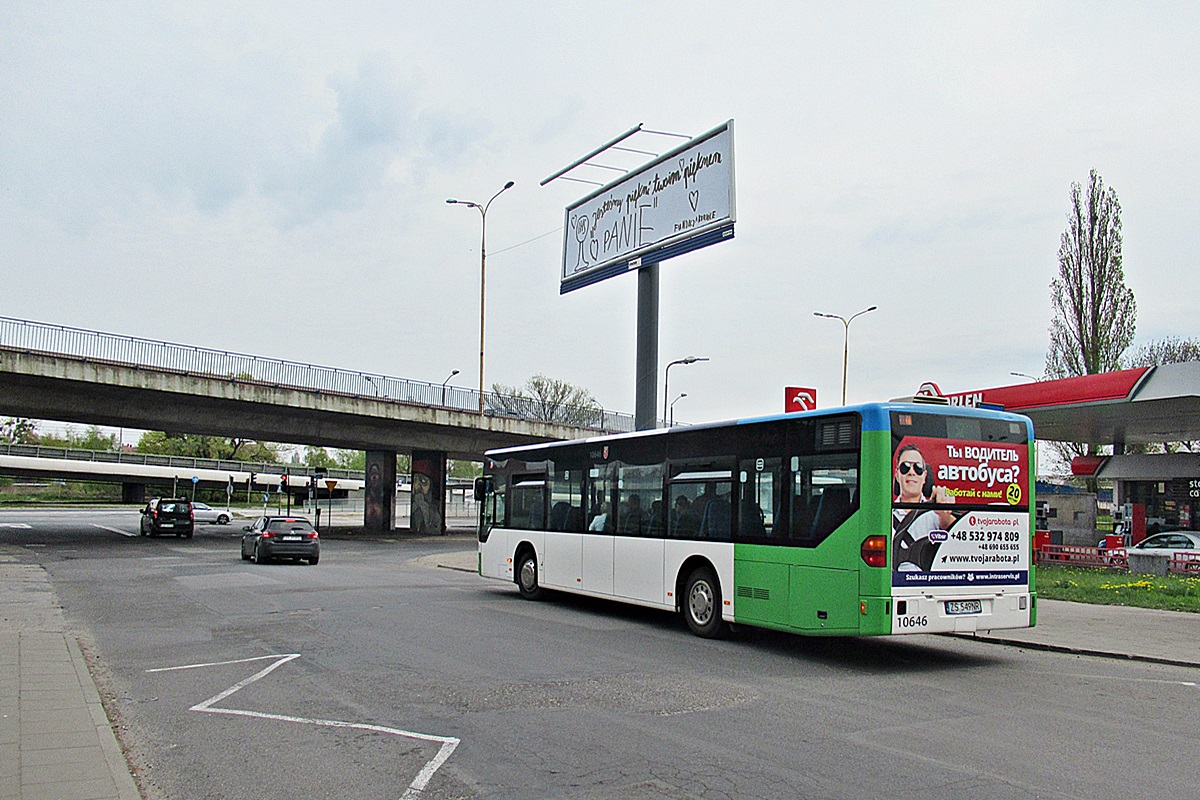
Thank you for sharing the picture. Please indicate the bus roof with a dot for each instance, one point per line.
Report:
(875, 416)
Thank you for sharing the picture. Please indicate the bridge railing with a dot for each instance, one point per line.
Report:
(181, 462)
(19, 334)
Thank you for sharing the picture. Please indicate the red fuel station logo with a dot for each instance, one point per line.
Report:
(798, 398)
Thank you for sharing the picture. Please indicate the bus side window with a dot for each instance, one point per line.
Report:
(758, 497)
(566, 500)
(527, 502)
(600, 515)
(639, 499)
(824, 495)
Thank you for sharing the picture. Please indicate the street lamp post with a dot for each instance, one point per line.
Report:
(845, 341)
(667, 379)
(448, 377)
(1023, 375)
(682, 395)
(483, 209)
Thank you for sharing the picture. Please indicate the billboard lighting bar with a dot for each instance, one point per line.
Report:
(639, 152)
(667, 133)
(594, 153)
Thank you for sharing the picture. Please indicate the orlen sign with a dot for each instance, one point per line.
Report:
(970, 399)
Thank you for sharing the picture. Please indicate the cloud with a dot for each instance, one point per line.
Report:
(95, 130)
(381, 131)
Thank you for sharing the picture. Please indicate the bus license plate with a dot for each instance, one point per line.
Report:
(299, 538)
(964, 607)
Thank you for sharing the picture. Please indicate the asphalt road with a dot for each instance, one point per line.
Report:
(411, 679)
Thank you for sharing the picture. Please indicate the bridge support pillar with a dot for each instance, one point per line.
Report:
(379, 507)
(428, 505)
(133, 493)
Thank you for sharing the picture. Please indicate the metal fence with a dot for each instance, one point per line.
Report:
(25, 335)
(182, 462)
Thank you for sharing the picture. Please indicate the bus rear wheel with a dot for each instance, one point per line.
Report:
(702, 604)
(527, 577)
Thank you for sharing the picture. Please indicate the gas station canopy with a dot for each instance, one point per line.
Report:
(1132, 406)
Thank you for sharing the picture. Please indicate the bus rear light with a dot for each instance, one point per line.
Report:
(874, 551)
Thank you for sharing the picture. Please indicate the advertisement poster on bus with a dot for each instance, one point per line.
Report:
(960, 513)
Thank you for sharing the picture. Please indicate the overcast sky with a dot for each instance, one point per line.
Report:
(271, 179)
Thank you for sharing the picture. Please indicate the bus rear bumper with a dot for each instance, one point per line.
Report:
(962, 613)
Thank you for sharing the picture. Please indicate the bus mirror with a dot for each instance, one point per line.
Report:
(482, 486)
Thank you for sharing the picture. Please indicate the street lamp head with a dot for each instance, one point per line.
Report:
(452, 374)
(509, 185)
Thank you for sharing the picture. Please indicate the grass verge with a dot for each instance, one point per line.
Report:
(1105, 587)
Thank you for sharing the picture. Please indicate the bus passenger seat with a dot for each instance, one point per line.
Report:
(832, 510)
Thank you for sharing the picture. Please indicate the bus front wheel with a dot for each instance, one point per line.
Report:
(527, 576)
(702, 604)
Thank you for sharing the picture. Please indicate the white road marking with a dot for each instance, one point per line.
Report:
(18, 525)
(114, 530)
(448, 743)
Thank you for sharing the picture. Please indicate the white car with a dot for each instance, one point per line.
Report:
(206, 513)
(1181, 545)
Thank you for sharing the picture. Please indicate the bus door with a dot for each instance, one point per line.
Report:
(638, 544)
(597, 544)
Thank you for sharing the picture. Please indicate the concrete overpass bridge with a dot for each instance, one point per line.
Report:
(75, 375)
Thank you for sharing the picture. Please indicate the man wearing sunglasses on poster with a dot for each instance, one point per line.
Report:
(913, 547)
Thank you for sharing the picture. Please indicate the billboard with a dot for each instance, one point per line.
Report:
(681, 201)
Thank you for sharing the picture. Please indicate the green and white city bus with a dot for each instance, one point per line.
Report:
(885, 518)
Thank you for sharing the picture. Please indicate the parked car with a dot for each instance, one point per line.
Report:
(203, 512)
(280, 537)
(1180, 544)
(168, 515)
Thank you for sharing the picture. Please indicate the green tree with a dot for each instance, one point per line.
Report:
(464, 469)
(1171, 350)
(197, 446)
(548, 400)
(91, 439)
(318, 457)
(351, 459)
(1095, 314)
(17, 430)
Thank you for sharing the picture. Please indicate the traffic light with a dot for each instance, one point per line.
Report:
(283, 482)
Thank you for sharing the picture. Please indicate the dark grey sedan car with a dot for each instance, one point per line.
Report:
(281, 537)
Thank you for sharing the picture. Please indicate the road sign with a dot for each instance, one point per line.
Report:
(195, 479)
(798, 398)
(329, 484)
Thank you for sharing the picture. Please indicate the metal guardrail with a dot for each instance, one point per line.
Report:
(19, 334)
(182, 462)
(1113, 558)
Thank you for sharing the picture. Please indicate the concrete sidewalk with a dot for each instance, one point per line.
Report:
(55, 740)
(1144, 634)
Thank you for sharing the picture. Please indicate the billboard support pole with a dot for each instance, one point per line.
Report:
(646, 398)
